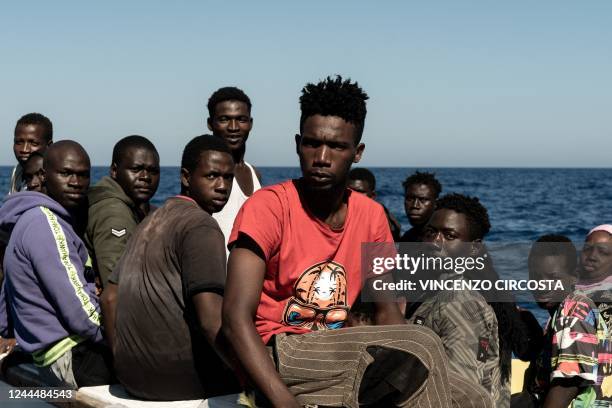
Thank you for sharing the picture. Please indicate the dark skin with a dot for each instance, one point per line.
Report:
(208, 185)
(364, 187)
(596, 261)
(33, 174)
(27, 140)
(449, 231)
(326, 150)
(419, 203)
(552, 267)
(66, 178)
(137, 172)
(233, 122)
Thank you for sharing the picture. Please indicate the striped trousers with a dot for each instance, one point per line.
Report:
(377, 366)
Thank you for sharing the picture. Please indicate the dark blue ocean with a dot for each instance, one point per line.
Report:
(522, 203)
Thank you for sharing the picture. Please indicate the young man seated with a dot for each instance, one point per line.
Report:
(295, 271)
(49, 284)
(463, 319)
(170, 284)
(117, 203)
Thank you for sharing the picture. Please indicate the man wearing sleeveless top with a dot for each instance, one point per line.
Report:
(229, 110)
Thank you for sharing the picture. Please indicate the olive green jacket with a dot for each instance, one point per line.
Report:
(112, 218)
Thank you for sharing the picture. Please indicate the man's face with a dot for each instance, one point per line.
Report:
(210, 183)
(137, 173)
(419, 203)
(28, 139)
(362, 186)
(67, 178)
(596, 257)
(449, 231)
(551, 267)
(232, 121)
(327, 150)
(33, 174)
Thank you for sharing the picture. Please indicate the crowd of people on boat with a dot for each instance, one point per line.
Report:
(246, 295)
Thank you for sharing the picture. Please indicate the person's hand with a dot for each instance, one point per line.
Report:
(6, 346)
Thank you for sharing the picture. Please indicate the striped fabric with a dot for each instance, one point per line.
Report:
(463, 319)
(582, 346)
(326, 368)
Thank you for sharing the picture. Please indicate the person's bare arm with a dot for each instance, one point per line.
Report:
(245, 276)
(386, 304)
(561, 394)
(108, 304)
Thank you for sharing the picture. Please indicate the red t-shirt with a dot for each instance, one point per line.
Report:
(313, 272)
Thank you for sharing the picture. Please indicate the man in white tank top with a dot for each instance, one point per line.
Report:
(229, 110)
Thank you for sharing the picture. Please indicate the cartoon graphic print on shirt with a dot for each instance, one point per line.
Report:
(319, 298)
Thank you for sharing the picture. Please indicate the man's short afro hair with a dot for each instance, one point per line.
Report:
(37, 119)
(554, 245)
(132, 142)
(361, 173)
(335, 97)
(193, 150)
(477, 215)
(428, 179)
(228, 93)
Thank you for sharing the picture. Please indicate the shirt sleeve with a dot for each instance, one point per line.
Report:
(575, 342)
(109, 232)
(260, 217)
(202, 259)
(61, 274)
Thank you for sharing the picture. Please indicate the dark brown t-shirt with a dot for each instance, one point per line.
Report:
(174, 254)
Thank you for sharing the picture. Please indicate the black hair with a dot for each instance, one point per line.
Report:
(193, 150)
(428, 179)
(228, 93)
(554, 245)
(130, 142)
(37, 119)
(476, 213)
(364, 174)
(335, 97)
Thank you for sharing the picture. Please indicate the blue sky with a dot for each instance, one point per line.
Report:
(452, 83)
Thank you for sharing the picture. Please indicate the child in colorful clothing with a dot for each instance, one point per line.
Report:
(582, 331)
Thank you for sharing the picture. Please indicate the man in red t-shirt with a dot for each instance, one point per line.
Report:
(295, 268)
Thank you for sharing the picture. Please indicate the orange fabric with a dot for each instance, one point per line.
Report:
(313, 273)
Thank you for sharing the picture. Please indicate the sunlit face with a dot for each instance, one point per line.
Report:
(67, 175)
(210, 183)
(29, 139)
(327, 150)
(137, 173)
(232, 121)
(596, 257)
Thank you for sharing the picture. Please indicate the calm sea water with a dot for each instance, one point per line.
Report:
(522, 203)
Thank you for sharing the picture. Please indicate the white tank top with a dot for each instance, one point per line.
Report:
(225, 218)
